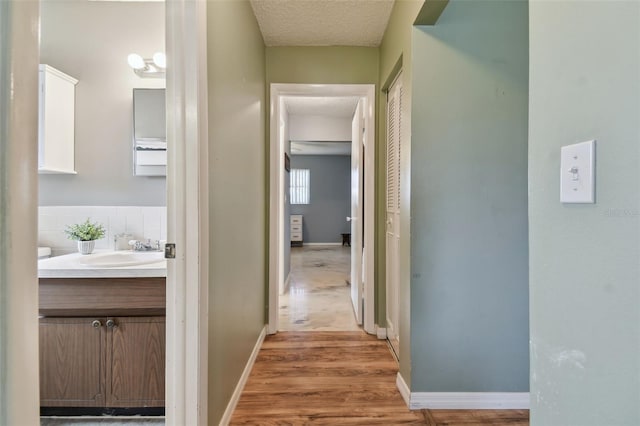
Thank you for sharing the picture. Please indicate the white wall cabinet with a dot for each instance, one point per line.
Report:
(56, 122)
(296, 228)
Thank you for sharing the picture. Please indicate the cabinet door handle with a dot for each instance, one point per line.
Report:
(111, 323)
(96, 324)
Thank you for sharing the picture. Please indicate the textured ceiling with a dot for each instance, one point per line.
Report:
(322, 22)
(326, 106)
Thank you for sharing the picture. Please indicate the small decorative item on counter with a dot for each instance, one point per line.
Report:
(86, 234)
(121, 241)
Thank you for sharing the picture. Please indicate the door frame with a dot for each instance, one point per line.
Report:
(186, 396)
(397, 79)
(276, 190)
(19, 361)
(356, 199)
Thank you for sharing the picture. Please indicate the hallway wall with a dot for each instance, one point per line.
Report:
(585, 258)
(237, 159)
(469, 242)
(322, 65)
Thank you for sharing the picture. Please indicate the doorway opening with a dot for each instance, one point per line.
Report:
(359, 101)
(99, 357)
(185, 221)
(317, 263)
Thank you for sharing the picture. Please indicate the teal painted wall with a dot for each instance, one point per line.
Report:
(585, 258)
(237, 161)
(469, 241)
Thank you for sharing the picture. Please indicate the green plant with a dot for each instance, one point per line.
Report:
(85, 231)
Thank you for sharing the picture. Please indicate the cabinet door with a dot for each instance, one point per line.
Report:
(136, 359)
(56, 121)
(72, 362)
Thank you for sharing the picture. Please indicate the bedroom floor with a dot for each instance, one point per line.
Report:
(319, 294)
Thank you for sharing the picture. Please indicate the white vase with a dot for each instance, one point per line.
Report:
(86, 247)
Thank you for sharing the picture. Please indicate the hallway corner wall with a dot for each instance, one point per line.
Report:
(469, 229)
(237, 170)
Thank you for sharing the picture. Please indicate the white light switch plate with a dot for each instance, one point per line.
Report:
(577, 174)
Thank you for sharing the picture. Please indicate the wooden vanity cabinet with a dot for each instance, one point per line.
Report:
(114, 359)
(136, 359)
(72, 362)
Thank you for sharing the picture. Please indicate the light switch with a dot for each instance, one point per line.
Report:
(577, 175)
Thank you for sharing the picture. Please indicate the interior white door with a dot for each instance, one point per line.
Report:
(394, 123)
(357, 133)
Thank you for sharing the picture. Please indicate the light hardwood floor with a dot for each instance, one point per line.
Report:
(339, 378)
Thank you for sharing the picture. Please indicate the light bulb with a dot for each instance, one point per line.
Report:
(160, 59)
(135, 61)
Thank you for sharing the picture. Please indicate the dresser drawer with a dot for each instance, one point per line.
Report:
(296, 219)
(297, 236)
(296, 228)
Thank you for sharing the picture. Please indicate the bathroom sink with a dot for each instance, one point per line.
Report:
(118, 259)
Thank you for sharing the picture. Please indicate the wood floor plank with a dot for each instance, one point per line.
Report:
(478, 417)
(331, 336)
(339, 378)
(323, 344)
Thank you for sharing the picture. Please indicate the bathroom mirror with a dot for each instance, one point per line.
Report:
(149, 132)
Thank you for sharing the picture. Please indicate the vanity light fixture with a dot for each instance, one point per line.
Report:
(148, 68)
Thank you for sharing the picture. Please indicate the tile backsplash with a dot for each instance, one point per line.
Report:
(142, 222)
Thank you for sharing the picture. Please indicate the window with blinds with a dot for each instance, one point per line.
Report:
(299, 186)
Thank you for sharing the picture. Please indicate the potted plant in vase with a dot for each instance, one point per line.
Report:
(86, 233)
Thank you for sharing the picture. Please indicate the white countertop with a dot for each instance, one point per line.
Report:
(70, 266)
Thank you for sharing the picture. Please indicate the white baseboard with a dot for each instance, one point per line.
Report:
(231, 406)
(404, 389)
(470, 400)
(462, 400)
(322, 244)
(381, 333)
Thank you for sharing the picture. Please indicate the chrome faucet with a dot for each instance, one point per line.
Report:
(148, 246)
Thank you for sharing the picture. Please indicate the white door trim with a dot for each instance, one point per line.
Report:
(276, 190)
(187, 213)
(393, 148)
(19, 391)
(356, 211)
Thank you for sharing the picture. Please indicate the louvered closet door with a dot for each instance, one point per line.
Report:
(394, 123)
